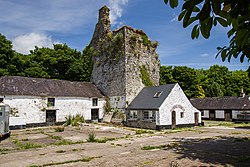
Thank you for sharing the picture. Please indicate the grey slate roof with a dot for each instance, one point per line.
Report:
(146, 100)
(16, 85)
(222, 103)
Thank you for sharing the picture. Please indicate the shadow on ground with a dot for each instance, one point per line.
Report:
(217, 151)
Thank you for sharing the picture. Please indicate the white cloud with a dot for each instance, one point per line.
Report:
(205, 55)
(46, 16)
(174, 19)
(25, 43)
(116, 10)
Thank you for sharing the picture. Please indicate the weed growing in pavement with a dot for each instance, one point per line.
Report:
(59, 129)
(26, 145)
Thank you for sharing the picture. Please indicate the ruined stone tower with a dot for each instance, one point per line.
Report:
(125, 61)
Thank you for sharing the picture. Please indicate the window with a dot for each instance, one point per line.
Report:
(146, 115)
(182, 114)
(157, 94)
(1, 100)
(133, 114)
(202, 113)
(95, 102)
(1, 114)
(51, 102)
(149, 115)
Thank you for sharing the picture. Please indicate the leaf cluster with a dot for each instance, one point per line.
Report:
(208, 13)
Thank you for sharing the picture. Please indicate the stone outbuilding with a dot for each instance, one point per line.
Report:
(225, 108)
(162, 107)
(38, 101)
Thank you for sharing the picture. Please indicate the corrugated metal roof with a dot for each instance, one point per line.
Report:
(146, 98)
(16, 85)
(223, 103)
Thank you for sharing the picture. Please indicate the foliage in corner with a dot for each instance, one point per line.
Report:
(208, 13)
(145, 76)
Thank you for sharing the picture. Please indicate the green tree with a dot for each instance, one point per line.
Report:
(208, 13)
(166, 76)
(187, 79)
(214, 90)
(199, 93)
(6, 56)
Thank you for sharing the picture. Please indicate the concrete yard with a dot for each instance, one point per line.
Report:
(211, 145)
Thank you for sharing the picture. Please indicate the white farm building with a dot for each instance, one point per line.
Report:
(162, 107)
(37, 101)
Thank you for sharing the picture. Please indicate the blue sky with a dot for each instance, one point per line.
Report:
(44, 22)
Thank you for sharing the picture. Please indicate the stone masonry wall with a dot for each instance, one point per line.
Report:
(140, 52)
(121, 57)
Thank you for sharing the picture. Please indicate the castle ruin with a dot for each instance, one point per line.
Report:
(124, 63)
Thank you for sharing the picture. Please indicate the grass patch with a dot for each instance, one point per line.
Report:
(4, 149)
(26, 145)
(24, 139)
(83, 159)
(154, 147)
(224, 123)
(59, 129)
(66, 142)
(54, 137)
(235, 133)
(142, 131)
(169, 146)
(176, 130)
(92, 139)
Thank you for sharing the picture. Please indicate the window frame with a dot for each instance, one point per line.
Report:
(51, 102)
(182, 114)
(94, 102)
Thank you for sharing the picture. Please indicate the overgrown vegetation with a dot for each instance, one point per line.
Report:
(92, 138)
(146, 80)
(74, 120)
(142, 131)
(26, 145)
(169, 146)
(107, 106)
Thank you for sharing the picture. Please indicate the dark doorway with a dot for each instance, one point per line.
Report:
(50, 117)
(173, 119)
(196, 118)
(212, 114)
(94, 114)
(228, 115)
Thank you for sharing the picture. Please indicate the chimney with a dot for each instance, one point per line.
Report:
(242, 94)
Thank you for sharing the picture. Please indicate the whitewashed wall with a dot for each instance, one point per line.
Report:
(32, 109)
(220, 114)
(177, 98)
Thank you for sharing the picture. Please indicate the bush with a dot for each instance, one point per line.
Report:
(91, 137)
(74, 120)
